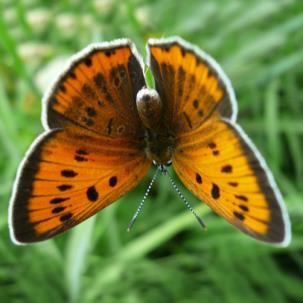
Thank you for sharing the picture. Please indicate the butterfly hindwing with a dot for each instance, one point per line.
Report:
(67, 177)
(98, 91)
(220, 166)
(188, 83)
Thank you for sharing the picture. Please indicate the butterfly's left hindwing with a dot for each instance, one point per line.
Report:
(67, 177)
(220, 166)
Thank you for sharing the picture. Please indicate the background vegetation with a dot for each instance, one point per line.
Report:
(166, 258)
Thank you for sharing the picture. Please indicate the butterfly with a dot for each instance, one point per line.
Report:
(104, 128)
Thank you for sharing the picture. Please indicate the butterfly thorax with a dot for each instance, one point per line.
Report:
(159, 141)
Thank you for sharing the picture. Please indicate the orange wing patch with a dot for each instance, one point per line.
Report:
(222, 169)
(98, 92)
(190, 86)
(65, 180)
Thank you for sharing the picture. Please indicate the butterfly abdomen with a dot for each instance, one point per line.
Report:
(159, 143)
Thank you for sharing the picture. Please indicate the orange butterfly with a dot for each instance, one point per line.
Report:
(104, 128)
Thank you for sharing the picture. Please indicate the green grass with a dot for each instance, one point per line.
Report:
(166, 258)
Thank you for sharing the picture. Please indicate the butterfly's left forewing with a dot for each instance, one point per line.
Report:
(97, 91)
(67, 177)
(188, 85)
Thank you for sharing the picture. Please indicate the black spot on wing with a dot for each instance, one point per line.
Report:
(242, 198)
(227, 169)
(113, 181)
(68, 173)
(64, 187)
(92, 194)
(212, 145)
(58, 209)
(91, 112)
(81, 152)
(66, 217)
(196, 103)
(244, 207)
(198, 178)
(88, 121)
(79, 158)
(58, 200)
(239, 216)
(215, 191)
(233, 184)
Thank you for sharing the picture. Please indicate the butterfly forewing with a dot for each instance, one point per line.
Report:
(98, 92)
(188, 84)
(69, 176)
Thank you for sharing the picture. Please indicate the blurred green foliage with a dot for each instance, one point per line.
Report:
(166, 258)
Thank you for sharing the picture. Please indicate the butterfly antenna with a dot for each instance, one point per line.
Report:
(133, 220)
(184, 199)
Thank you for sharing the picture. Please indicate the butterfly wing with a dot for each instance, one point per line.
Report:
(67, 177)
(92, 151)
(221, 166)
(188, 85)
(213, 156)
(97, 91)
